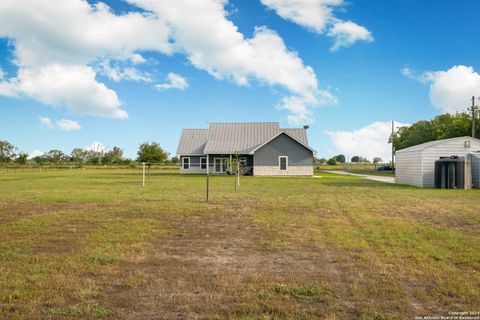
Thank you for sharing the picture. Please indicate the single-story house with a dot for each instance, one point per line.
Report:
(263, 149)
(416, 165)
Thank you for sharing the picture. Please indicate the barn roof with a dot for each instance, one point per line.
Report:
(234, 137)
(426, 145)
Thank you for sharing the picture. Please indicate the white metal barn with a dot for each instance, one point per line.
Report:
(475, 160)
(416, 165)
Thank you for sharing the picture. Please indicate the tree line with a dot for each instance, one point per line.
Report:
(444, 126)
(149, 152)
(342, 159)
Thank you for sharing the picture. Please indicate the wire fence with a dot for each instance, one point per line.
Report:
(379, 168)
(16, 168)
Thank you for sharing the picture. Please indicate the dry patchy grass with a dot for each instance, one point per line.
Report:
(95, 244)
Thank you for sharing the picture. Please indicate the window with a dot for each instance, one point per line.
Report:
(283, 163)
(186, 163)
(243, 162)
(203, 163)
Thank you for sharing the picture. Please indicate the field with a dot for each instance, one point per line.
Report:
(95, 244)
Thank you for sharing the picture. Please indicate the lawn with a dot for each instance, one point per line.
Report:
(96, 244)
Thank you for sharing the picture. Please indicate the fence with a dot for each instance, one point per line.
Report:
(14, 168)
(355, 167)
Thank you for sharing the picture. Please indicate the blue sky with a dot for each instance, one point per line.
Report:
(405, 60)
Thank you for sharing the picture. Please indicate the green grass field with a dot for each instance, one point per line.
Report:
(95, 244)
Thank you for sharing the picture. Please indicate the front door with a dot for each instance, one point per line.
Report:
(221, 165)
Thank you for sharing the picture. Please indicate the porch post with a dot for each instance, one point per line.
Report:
(230, 164)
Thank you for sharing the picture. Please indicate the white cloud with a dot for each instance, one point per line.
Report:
(35, 153)
(118, 72)
(370, 141)
(68, 125)
(46, 122)
(174, 81)
(63, 124)
(347, 33)
(213, 43)
(61, 46)
(55, 42)
(451, 90)
(96, 146)
(318, 16)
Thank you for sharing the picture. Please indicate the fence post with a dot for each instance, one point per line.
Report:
(208, 186)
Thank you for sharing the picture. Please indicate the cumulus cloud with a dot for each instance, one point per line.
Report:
(214, 44)
(370, 141)
(96, 147)
(63, 124)
(61, 47)
(46, 122)
(35, 153)
(68, 125)
(347, 33)
(450, 90)
(174, 81)
(318, 16)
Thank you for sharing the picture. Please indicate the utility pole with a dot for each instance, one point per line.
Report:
(393, 145)
(474, 110)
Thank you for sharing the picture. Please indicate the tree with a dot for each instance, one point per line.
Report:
(332, 161)
(7, 151)
(355, 159)
(113, 156)
(151, 153)
(444, 126)
(54, 156)
(377, 160)
(78, 155)
(175, 160)
(21, 158)
(340, 158)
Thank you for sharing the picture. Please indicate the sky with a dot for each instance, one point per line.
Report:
(75, 73)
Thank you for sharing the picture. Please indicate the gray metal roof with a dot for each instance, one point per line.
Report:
(192, 141)
(426, 145)
(230, 138)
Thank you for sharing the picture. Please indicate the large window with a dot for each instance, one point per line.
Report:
(186, 163)
(203, 163)
(283, 163)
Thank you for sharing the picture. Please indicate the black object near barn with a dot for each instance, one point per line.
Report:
(450, 173)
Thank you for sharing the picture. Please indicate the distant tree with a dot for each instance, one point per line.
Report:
(332, 161)
(151, 153)
(113, 156)
(175, 160)
(322, 160)
(355, 159)
(7, 151)
(78, 155)
(377, 160)
(55, 156)
(21, 158)
(340, 158)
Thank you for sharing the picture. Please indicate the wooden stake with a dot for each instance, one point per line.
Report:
(208, 187)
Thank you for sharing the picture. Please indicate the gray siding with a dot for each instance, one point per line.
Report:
(416, 165)
(283, 145)
(194, 165)
(475, 158)
(408, 168)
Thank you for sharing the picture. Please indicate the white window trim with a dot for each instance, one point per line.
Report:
(206, 163)
(183, 163)
(280, 163)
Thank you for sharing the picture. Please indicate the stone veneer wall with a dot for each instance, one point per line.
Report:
(193, 170)
(275, 171)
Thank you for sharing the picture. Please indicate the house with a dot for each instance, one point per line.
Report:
(263, 149)
(416, 165)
